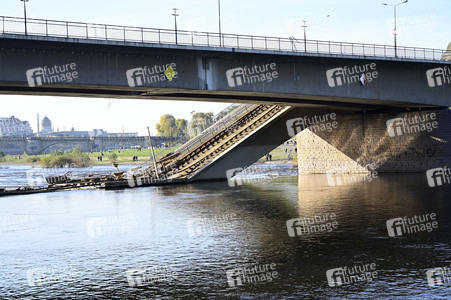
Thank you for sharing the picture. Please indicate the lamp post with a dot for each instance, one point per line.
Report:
(219, 15)
(25, 14)
(395, 29)
(175, 14)
(304, 24)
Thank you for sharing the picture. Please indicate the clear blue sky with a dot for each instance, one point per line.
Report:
(421, 23)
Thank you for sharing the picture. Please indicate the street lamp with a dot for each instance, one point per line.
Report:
(175, 14)
(25, 14)
(219, 14)
(304, 24)
(394, 30)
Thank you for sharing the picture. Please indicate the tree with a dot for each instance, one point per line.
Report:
(199, 123)
(112, 157)
(2, 154)
(167, 126)
(182, 126)
(59, 159)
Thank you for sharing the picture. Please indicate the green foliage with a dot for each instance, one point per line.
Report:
(33, 159)
(75, 158)
(199, 123)
(169, 126)
(112, 157)
(182, 126)
(2, 154)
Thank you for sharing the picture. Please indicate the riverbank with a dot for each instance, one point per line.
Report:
(104, 158)
(125, 157)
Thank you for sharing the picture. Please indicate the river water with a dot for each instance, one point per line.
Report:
(229, 240)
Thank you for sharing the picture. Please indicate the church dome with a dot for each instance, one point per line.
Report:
(46, 125)
(447, 54)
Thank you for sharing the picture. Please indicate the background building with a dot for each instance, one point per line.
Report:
(447, 55)
(13, 127)
(47, 131)
(46, 125)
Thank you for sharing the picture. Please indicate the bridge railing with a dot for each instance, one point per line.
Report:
(223, 123)
(67, 29)
(220, 121)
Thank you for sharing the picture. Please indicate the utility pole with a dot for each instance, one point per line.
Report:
(175, 14)
(395, 33)
(25, 14)
(152, 154)
(304, 24)
(219, 13)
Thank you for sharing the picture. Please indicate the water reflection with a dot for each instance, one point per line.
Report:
(203, 230)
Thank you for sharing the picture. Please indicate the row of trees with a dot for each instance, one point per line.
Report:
(170, 126)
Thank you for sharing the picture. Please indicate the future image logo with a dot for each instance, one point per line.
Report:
(254, 74)
(415, 124)
(142, 276)
(347, 275)
(51, 275)
(240, 176)
(101, 226)
(438, 276)
(309, 225)
(399, 226)
(316, 124)
(19, 223)
(150, 75)
(423, 24)
(53, 74)
(438, 76)
(39, 177)
(344, 175)
(232, 173)
(217, 223)
(251, 274)
(349, 75)
(438, 176)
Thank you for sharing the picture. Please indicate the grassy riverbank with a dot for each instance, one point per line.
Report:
(125, 157)
(279, 156)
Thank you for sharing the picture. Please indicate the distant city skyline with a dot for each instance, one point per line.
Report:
(16, 127)
(420, 24)
(45, 125)
(85, 114)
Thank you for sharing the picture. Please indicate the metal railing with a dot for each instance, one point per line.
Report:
(68, 29)
(218, 122)
(221, 124)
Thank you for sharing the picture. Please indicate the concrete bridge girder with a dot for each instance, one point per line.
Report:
(301, 79)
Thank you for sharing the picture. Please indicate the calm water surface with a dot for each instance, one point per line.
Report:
(179, 241)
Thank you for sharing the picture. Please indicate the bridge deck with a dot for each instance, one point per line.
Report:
(129, 35)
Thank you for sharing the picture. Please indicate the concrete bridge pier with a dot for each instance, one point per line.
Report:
(392, 142)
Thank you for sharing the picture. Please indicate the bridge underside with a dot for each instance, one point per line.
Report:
(300, 78)
(306, 101)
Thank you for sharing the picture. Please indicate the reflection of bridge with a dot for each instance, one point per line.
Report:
(279, 78)
(43, 145)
